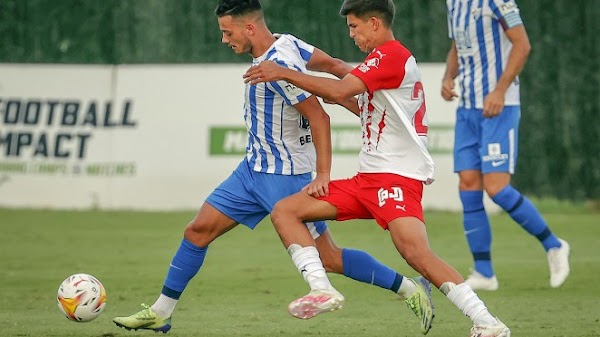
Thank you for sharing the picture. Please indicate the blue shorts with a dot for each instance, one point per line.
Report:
(486, 144)
(248, 196)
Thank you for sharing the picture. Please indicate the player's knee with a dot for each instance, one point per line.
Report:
(470, 180)
(493, 183)
(276, 216)
(469, 184)
(199, 233)
(281, 212)
(494, 187)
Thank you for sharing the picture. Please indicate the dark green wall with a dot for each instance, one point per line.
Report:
(186, 31)
(560, 126)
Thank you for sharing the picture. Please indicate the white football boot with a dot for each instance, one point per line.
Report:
(316, 302)
(498, 330)
(558, 260)
(479, 282)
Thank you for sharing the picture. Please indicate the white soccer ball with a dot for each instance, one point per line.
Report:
(81, 297)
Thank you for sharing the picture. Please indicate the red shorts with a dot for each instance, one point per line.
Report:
(380, 196)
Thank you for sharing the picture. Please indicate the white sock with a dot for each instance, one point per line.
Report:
(310, 266)
(407, 288)
(164, 306)
(469, 303)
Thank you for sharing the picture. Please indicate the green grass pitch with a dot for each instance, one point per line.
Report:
(247, 280)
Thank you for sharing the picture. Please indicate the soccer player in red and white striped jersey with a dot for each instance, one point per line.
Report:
(394, 160)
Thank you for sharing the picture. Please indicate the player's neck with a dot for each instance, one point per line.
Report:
(384, 38)
(264, 39)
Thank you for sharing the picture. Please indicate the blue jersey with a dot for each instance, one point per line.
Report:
(279, 140)
(477, 28)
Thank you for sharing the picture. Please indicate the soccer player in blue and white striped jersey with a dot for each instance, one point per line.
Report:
(489, 49)
(286, 127)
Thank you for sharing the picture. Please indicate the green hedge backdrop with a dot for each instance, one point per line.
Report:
(560, 127)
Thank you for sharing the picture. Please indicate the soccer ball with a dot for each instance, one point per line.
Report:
(81, 297)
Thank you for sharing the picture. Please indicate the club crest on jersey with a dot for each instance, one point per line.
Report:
(304, 124)
(463, 42)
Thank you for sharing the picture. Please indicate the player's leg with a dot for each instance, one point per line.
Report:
(289, 217)
(208, 224)
(356, 264)
(410, 238)
(353, 263)
(477, 229)
(395, 203)
(362, 267)
(501, 142)
(228, 205)
(359, 265)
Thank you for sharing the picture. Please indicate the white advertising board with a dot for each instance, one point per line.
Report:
(155, 137)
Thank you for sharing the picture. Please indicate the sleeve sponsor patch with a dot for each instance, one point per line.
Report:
(509, 16)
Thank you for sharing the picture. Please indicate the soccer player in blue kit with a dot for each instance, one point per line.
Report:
(489, 49)
(277, 164)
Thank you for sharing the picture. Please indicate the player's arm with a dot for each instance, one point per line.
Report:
(494, 102)
(351, 104)
(448, 92)
(333, 90)
(321, 136)
(517, 57)
(323, 62)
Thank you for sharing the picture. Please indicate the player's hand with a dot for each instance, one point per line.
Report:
(319, 187)
(266, 71)
(448, 92)
(493, 104)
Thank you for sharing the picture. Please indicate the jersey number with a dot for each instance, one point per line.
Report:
(419, 94)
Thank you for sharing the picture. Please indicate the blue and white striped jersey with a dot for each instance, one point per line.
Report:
(279, 138)
(477, 27)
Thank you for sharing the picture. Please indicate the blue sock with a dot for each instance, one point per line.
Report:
(185, 264)
(362, 267)
(477, 230)
(525, 214)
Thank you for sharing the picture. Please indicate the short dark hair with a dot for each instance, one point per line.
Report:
(383, 9)
(237, 7)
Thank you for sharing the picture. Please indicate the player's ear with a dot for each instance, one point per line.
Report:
(250, 29)
(374, 22)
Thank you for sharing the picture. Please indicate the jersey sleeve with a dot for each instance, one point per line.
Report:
(382, 69)
(506, 12)
(449, 19)
(290, 93)
(305, 49)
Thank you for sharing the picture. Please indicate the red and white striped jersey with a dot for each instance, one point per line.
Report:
(393, 114)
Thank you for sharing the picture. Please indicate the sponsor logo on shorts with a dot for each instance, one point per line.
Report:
(495, 155)
(395, 194)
